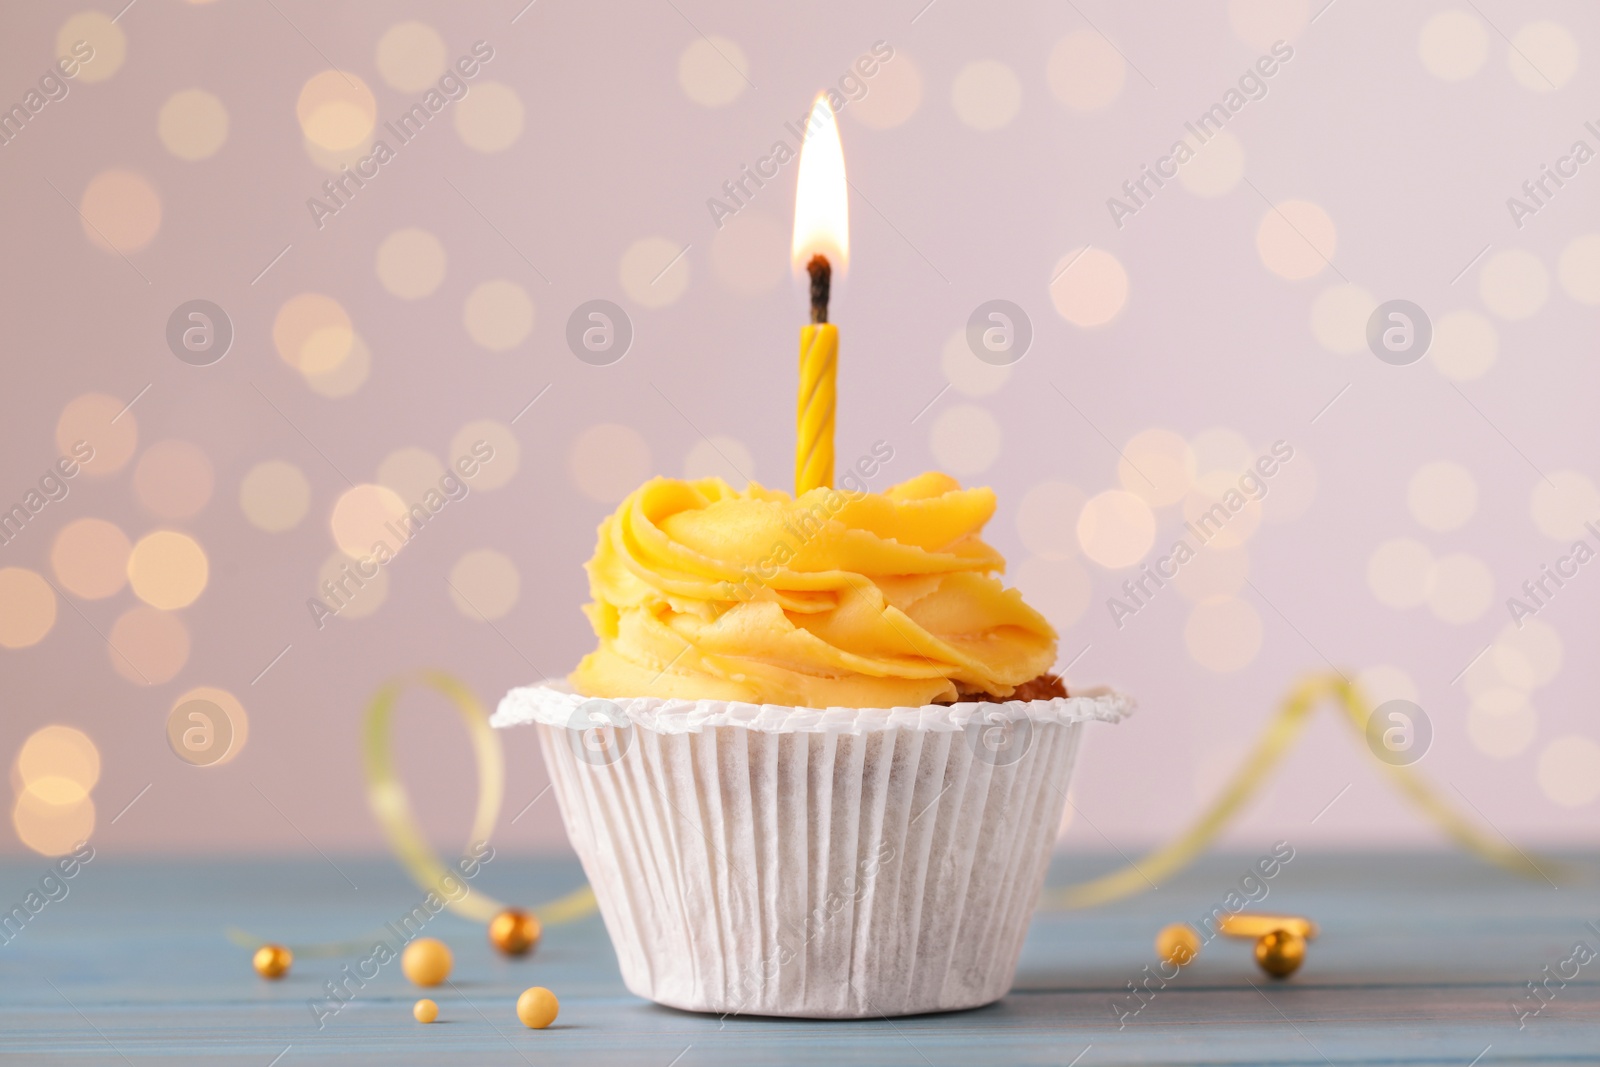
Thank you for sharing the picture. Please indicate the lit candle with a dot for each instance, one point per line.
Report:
(821, 246)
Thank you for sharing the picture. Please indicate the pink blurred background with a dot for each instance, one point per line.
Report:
(576, 163)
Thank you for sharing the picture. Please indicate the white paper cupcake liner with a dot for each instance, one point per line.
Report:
(826, 863)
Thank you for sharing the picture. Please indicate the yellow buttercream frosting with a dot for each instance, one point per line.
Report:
(831, 599)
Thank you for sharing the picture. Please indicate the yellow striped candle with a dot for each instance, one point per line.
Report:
(819, 361)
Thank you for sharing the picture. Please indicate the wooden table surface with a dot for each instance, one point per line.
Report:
(1419, 960)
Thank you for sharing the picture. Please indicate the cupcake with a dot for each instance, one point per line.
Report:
(817, 761)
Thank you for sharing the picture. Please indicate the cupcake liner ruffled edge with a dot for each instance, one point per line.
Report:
(555, 704)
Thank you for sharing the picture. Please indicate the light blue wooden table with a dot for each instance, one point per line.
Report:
(1419, 961)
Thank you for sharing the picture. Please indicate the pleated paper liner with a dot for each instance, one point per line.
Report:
(837, 863)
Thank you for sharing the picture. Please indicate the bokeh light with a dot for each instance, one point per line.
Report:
(489, 119)
(90, 558)
(336, 110)
(193, 124)
(1453, 45)
(1085, 73)
(1116, 528)
(147, 646)
(99, 32)
(173, 479)
(101, 426)
(366, 516)
(1339, 317)
(1569, 771)
(27, 607)
(1088, 287)
(411, 56)
(1528, 654)
(168, 569)
(60, 764)
(1543, 56)
(1513, 283)
(654, 272)
(411, 263)
(350, 374)
(713, 71)
(1562, 503)
(238, 720)
(1296, 239)
(274, 496)
(895, 96)
(986, 94)
(498, 315)
(313, 333)
(1502, 723)
(1465, 345)
(1579, 269)
(1157, 465)
(485, 584)
(52, 829)
(120, 211)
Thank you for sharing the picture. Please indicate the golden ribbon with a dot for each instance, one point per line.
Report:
(1281, 732)
(390, 804)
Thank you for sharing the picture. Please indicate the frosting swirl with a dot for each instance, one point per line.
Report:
(834, 599)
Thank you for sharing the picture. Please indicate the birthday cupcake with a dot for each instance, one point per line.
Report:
(817, 761)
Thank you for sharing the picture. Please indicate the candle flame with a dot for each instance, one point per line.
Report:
(821, 202)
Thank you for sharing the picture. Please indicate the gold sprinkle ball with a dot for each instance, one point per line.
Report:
(514, 932)
(1281, 952)
(537, 1007)
(272, 961)
(1178, 944)
(424, 1011)
(427, 961)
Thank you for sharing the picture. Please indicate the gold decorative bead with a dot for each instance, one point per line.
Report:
(272, 961)
(1281, 952)
(1178, 944)
(424, 1011)
(427, 961)
(514, 932)
(537, 1007)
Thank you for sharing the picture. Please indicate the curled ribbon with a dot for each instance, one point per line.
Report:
(1281, 733)
(392, 807)
(386, 794)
